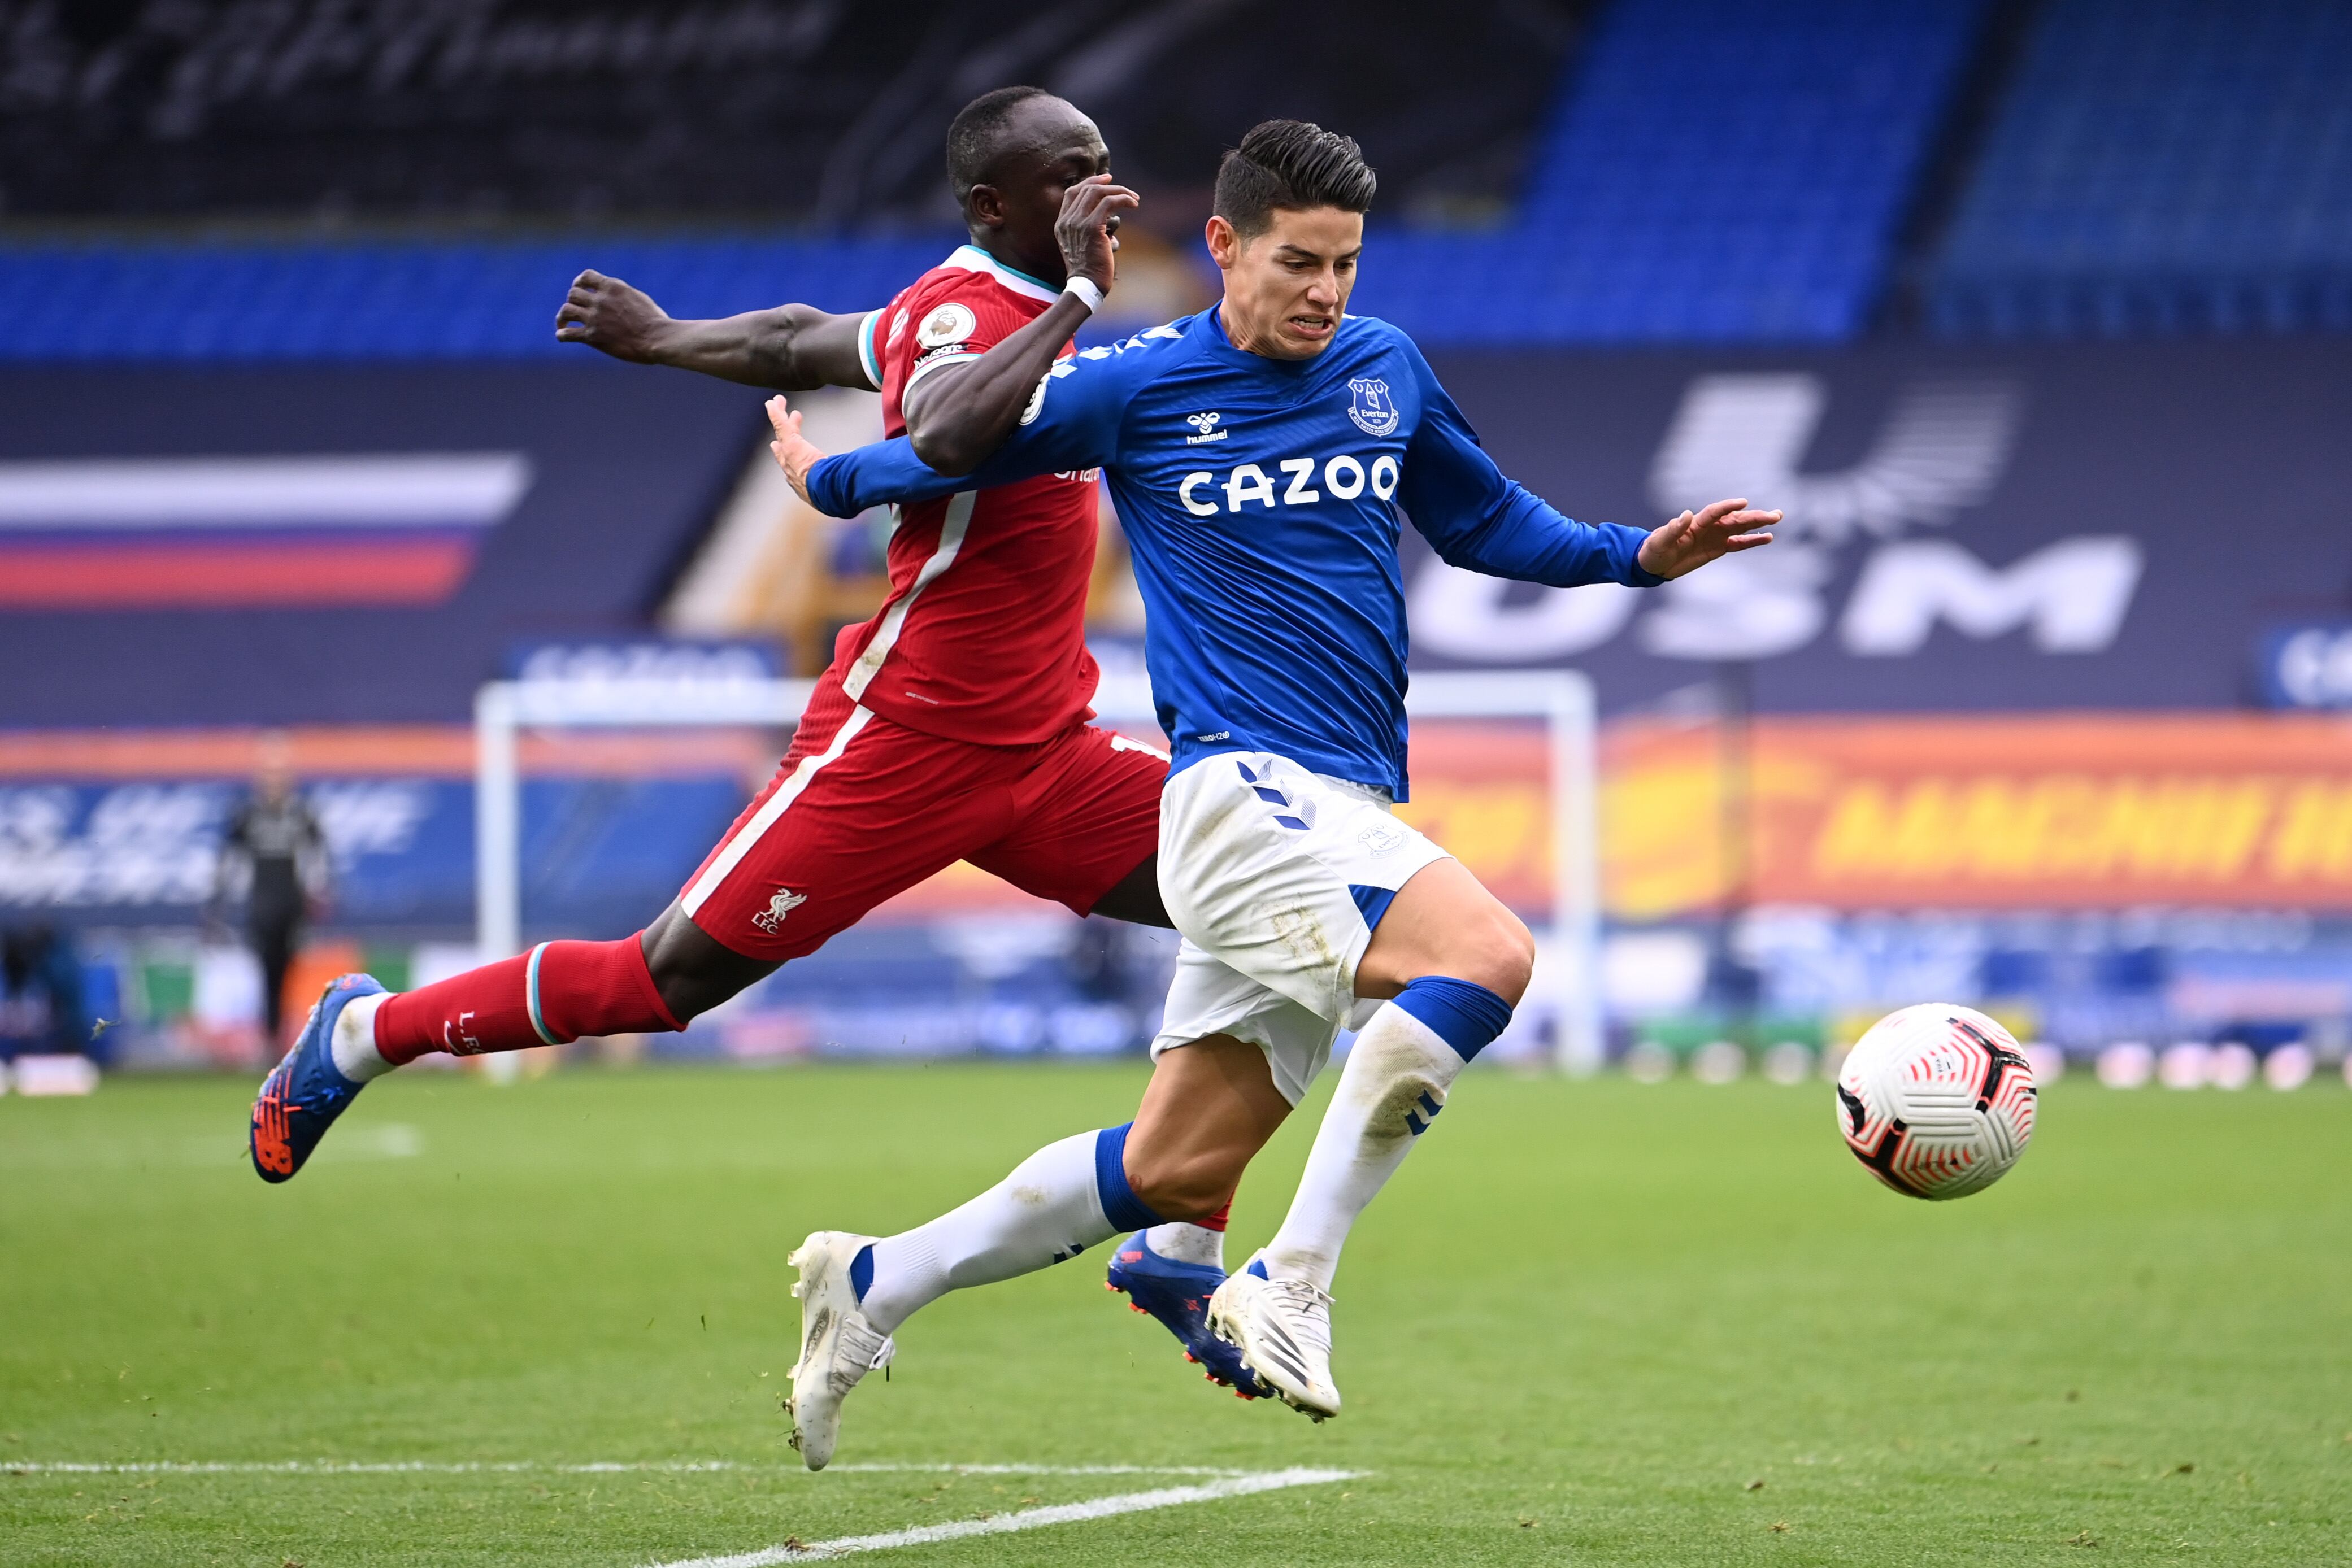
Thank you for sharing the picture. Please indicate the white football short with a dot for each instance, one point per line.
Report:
(1276, 877)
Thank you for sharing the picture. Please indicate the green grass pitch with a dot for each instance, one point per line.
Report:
(1589, 1323)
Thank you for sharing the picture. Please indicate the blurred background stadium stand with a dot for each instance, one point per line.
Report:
(1707, 171)
(2160, 168)
(2033, 313)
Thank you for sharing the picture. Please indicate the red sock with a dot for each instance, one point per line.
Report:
(1217, 1221)
(579, 987)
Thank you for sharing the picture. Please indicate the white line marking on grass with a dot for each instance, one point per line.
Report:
(515, 1467)
(1043, 1470)
(1026, 1518)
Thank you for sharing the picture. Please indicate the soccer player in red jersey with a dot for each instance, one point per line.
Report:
(953, 725)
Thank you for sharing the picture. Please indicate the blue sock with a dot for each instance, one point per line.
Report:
(1467, 1017)
(1119, 1205)
(861, 1271)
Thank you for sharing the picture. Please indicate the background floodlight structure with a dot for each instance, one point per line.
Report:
(1562, 700)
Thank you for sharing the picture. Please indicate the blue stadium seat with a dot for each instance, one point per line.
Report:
(1715, 170)
(1651, 215)
(2161, 166)
(401, 300)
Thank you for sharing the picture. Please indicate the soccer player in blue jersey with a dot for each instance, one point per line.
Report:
(1263, 455)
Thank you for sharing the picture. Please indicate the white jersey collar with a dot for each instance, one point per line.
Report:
(972, 258)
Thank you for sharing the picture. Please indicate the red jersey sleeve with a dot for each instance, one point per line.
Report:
(949, 317)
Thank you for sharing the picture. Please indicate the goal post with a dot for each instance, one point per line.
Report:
(1561, 700)
(1565, 703)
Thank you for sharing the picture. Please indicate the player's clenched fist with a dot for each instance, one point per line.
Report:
(1691, 540)
(608, 313)
(794, 454)
(1088, 229)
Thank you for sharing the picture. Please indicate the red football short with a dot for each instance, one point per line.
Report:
(862, 809)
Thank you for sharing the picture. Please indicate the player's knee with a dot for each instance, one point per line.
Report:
(684, 995)
(1500, 954)
(693, 972)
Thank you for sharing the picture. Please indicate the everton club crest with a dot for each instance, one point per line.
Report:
(1373, 411)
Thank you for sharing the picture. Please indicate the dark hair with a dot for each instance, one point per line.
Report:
(1293, 165)
(976, 137)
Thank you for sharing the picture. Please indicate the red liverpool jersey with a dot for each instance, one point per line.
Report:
(983, 636)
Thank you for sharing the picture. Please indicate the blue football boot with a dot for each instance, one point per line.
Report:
(1178, 1295)
(304, 1093)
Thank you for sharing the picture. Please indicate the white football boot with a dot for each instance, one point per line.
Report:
(838, 1346)
(1283, 1329)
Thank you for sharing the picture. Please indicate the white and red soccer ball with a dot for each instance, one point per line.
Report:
(1937, 1100)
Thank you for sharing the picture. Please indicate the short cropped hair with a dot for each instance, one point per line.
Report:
(976, 137)
(1292, 165)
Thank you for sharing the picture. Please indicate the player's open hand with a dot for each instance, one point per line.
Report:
(1088, 229)
(1693, 539)
(608, 313)
(794, 454)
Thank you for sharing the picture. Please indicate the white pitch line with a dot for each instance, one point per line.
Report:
(518, 1467)
(1026, 1518)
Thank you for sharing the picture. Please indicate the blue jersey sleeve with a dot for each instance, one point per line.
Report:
(1073, 424)
(1479, 519)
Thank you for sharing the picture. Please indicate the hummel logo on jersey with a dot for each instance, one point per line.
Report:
(1206, 424)
(1374, 411)
(783, 903)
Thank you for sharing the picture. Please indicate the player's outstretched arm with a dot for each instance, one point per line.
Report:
(1073, 426)
(1479, 519)
(884, 472)
(1695, 539)
(789, 348)
(960, 413)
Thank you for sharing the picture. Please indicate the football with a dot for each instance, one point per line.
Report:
(1937, 1100)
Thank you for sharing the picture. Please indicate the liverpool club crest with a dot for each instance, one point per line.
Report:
(782, 905)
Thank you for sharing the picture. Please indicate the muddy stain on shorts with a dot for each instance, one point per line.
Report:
(1301, 934)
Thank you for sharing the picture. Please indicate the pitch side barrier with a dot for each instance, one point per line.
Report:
(1568, 973)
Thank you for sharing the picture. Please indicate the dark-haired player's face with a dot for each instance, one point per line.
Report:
(1286, 290)
(1051, 147)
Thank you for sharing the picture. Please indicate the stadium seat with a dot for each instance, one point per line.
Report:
(1651, 213)
(399, 301)
(1644, 221)
(2161, 166)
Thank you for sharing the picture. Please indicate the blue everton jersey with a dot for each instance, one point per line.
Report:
(1262, 500)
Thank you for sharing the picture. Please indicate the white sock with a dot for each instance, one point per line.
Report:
(353, 1044)
(1047, 1210)
(1183, 1243)
(1398, 1071)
